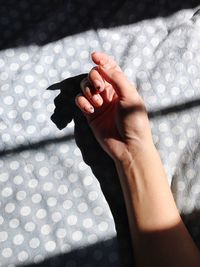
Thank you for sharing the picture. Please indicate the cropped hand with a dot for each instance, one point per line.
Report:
(114, 110)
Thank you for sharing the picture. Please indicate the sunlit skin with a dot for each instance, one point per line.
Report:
(117, 116)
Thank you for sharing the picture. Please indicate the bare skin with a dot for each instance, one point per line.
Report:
(117, 116)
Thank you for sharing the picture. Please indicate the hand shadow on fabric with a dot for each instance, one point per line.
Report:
(24, 23)
(100, 163)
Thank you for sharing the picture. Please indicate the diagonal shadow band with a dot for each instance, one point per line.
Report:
(36, 145)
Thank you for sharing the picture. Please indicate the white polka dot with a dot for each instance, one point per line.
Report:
(26, 116)
(82, 165)
(68, 162)
(19, 89)
(64, 149)
(87, 223)
(146, 51)
(5, 137)
(29, 168)
(163, 127)
(14, 165)
(45, 229)
(186, 118)
(50, 246)
(24, 56)
(48, 59)
(67, 204)
(8, 100)
(39, 156)
(33, 183)
(22, 256)
(22, 103)
(98, 211)
(195, 189)
(93, 195)
(4, 177)
(146, 86)
(2, 63)
(62, 189)
(56, 216)
(154, 41)
(14, 66)
(77, 235)
(77, 192)
(61, 233)
(29, 226)
(70, 51)
(3, 76)
(65, 248)
(14, 223)
(191, 132)
(48, 186)
(88, 180)
(82, 207)
(160, 88)
(180, 186)
(44, 171)
(103, 226)
(39, 69)
(175, 90)
(7, 252)
(46, 95)
(3, 236)
(62, 62)
(72, 220)
(18, 239)
(29, 78)
(18, 180)
(141, 38)
(36, 105)
(51, 201)
(5, 87)
(181, 144)
(188, 55)
(190, 173)
(1, 220)
(92, 238)
(137, 61)
(73, 177)
(168, 141)
(34, 243)
(6, 192)
(10, 207)
(25, 211)
(36, 198)
(21, 195)
(41, 214)
(41, 118)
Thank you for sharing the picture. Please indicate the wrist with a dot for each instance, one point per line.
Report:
(136, 153)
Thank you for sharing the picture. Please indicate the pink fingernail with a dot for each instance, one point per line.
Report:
(89, 109)
(98, 85)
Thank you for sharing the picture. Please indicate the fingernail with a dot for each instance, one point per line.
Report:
(89, 109)
(98, 85)
(96, 99)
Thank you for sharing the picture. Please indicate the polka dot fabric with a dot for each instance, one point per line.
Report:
(50, 201)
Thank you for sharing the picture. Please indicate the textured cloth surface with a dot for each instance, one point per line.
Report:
(54, 209)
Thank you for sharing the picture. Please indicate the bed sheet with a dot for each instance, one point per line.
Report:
(59, 204)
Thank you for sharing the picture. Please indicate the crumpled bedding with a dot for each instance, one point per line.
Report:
(60, 199)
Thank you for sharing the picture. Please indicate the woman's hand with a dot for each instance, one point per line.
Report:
(115, 111)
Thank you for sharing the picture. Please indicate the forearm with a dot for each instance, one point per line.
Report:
(159, 236)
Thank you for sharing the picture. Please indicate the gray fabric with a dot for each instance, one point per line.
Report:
(51, 203)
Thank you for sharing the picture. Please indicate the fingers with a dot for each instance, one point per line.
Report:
(96, 79)
(84, 104)
(90, 93)
(112, 73)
